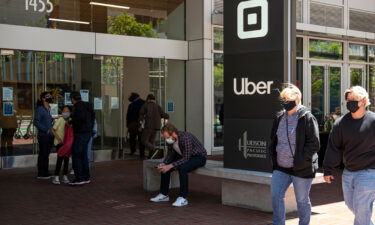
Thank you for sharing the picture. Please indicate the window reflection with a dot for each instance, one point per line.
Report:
(321, 49)
(218, 119)
(357, 53)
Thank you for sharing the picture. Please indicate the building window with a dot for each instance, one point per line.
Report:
(371, 54)
(357, 53)
(156, 19)
(299, 47)
(371, 87)
(218, 39)
(321, 49)
(218, 120)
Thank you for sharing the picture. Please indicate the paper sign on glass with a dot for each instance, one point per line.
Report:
(7, 93)
(85, 95)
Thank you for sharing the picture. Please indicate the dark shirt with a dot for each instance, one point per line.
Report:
(353, 141)
(189, 146)
(43, 121)
(133, 111)
(152, 113)
(83, 117)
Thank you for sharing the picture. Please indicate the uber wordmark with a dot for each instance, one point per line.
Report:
(249, 88)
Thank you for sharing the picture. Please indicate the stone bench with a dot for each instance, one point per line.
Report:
(240, 188)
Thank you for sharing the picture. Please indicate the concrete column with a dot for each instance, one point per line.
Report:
(199, 83)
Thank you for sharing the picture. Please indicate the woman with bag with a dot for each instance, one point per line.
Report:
(63, 132)
(294, 147)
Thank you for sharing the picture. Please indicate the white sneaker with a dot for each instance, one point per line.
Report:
(71, 172)
(180, 201)
(65, 179)
(56, 180)
(160, 198)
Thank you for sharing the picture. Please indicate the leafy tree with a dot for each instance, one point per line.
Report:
(125, 24)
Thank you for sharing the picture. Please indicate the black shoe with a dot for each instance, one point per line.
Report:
(44, 177)
(77, 183)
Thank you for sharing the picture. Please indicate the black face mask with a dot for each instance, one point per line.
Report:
(352, 106)
(49, 100)
(288, 105)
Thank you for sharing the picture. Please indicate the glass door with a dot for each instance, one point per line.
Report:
(325, 94)
(357, 75)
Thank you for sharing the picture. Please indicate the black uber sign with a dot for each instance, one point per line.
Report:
(255, 56)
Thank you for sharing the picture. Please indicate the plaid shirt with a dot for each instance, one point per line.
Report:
(189, 146)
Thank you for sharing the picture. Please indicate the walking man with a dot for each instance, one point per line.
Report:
(352, 140)
(151, 114)
(132, 123)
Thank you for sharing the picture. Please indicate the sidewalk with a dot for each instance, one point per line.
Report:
(116, 197)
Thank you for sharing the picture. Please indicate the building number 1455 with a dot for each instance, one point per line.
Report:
(39, 5)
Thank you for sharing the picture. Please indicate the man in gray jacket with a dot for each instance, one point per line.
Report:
(150, 115)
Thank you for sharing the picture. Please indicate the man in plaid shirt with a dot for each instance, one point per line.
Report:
(185, 154)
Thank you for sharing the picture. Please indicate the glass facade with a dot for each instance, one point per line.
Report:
(218, 82)
(151, 18)
(357, 53)
(107, 81)
(321, 49)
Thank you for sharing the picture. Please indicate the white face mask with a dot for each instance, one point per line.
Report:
(65, 115)
(170, 141)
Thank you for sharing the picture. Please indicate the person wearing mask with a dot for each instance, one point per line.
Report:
(185, 154)
(352, 141)
(294, 146)
(132, 123)
(43, 122)
(83, 117)
(150, 116)
(63, 133)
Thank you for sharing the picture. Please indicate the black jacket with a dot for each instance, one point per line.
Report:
(83, 117)
(133, 112)
(307, 146)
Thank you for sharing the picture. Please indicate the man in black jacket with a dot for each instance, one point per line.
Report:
(132, 123)
(83, 117)
(352, 140)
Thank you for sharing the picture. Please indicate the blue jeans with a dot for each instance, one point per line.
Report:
(194, 163)
(280, 183)
(359, 194)
(89, 152)
(79, 156)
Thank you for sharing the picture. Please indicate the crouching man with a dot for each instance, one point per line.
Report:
(185, 154)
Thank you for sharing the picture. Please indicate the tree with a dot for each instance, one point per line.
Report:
(125, 24)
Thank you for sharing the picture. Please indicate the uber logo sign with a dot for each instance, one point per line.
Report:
(252, 19)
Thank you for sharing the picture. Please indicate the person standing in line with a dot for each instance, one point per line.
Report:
(150, 115)
(63, 132)
(132, 123)
(294, 146)
(352, 141)
(43, 122)
(83, 117)
(95, 133)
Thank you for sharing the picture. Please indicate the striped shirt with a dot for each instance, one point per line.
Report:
(285, 152)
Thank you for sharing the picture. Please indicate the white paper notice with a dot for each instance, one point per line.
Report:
(98, 104)
(114, 103)
(68, 101)
(7, 94)
(85, 95)
(54, 109)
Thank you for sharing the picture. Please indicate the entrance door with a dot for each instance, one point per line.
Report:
(325, 95)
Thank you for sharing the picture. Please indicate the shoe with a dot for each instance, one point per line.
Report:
(180, 201)
(77, 183)
(44, 177)
(56, 180)
(160, 198)
(71, 172)
(87, 181)
(65, 179)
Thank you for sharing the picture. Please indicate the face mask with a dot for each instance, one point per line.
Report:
(288, 105)
(170, 141)
(352, 106)
(49, 100)
(65, 115)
